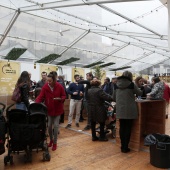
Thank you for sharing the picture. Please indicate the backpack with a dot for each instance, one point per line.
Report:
(16, 96)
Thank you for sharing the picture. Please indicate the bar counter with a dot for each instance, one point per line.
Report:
(151, 119)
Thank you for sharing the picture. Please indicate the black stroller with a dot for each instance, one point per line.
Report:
(27, 131)
(110, 124)
(2, 128)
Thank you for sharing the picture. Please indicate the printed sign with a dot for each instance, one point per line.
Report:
(47, 68)
(79, 71)
(10, 72)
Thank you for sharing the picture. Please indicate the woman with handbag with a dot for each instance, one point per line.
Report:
(24, 86)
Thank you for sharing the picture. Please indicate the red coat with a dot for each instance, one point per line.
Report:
(54, 107)
(166, 95)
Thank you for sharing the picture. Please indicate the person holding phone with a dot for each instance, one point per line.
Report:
(53, 96)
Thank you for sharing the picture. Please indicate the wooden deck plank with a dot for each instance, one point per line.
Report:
(76, 151)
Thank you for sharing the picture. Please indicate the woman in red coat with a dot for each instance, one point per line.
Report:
(53, 96)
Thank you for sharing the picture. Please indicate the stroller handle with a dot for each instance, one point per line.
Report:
(7, 109)
(3, 106)
(109, 104)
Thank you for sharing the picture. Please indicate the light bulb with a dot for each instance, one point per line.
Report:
(8, 63)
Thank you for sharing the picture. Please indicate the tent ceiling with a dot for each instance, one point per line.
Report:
(113, 32)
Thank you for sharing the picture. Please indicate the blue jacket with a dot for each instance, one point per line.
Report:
(73, 87)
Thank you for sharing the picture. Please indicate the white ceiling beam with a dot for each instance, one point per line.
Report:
(129, 19)
(8, 28)
(57, 45)
(153, 64)
(70, 3)
(113, 52)
(74, 42)
(137, 59)
(133, 34)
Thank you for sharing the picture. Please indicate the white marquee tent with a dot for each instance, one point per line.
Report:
(120, 33)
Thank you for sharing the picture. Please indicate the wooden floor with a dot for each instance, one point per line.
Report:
(76, 151)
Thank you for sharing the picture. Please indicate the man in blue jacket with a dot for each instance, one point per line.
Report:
(76, 91)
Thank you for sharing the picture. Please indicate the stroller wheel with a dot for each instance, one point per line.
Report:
(6, 160)
(28, 158)
(46, 157)
(11, 160)
(113, 132)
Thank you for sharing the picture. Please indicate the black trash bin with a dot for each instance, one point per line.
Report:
(159, 150)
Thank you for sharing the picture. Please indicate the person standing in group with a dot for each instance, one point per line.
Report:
(89, 77)
(76, 91)
(43, 80)
(166, 96)
(126, 107)
(157, 91)
(53, 96)
(24, 85)
(107, 87)
(139, 83)
(113, 82)
(97, 109)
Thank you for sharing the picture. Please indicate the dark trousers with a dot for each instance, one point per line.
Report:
(62, 118)
(93, 129)
(81, 111)
(125, 132)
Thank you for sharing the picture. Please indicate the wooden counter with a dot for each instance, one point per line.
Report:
(151, 119)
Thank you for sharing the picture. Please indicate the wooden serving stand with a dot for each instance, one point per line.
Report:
(151, 120)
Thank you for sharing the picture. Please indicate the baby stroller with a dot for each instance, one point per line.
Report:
(2, 129)
(27, 131)
(110, 123)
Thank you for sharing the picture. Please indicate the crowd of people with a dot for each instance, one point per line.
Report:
(90, 95)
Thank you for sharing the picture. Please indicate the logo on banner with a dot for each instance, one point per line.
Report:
(7, 69)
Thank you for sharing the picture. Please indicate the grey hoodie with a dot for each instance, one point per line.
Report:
(124, 96)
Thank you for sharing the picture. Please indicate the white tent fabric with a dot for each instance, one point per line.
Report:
(132, 33)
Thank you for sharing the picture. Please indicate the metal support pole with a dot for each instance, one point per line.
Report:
(128, 19)
(133, 61)
(154, 64)
(69, 3)
(113, 52)
(14, 18)
(74, 42)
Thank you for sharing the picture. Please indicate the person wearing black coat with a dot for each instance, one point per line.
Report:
(107, 86)
(139, 83)
(97, 109)
(89, 77)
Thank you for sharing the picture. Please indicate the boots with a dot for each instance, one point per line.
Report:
(54, 147)
(51, 143)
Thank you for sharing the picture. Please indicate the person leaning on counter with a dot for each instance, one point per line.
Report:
(126, 107)
(157, 90)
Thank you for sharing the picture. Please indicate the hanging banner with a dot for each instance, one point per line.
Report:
(47, 68)
(145, 77)
(79, 71)
(103, 76)
(9, 75)
(118, 74)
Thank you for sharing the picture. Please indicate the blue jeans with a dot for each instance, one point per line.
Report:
(21, 106)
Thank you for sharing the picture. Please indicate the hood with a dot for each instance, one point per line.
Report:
(123, 82)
